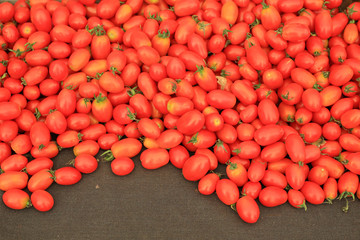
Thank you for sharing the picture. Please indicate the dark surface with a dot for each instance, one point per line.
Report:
(161, 204)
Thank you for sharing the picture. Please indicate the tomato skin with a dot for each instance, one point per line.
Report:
(256, 170)
(38, 164)
(85, 163)
(334, 168)
(274, 152)
(41, 18)
(350, 118)
(213, 160)
(227, 134)
(244, 93)
(102, 109)
(170, 138)
(272, 196)
(154, 158)
(14, 163)
(257, 58)
(5, 151)
(66, 102)
(128, 147)
(141, 106)
(274, 178)
(236, 172)
(196, 167)
(67, 176)
(268, 112)
(252, 149)
(13, 180)
(330, 188)
(323, 25)
(331, 131)
(312, 100)
(8, 131)
(207, 184)
(249, 113)
(221, 99)
(341, 107)
(16, 199)
(295, 32)
(40, 134)
(40, 180)
(348, 182)
(251, 189)
(248, 209)
(313, 193)
(178, 155)
(318, 174)
(25, 120)
(50, 150)
(186, 7)
(89, 146)
(190, 122)
(350, 142)
(353, 162)
(270, 17)
(268, 134)
(311, 132)
(42, 200)
(21, 144)
(9, 110)
(56, 122)
(340, 74)
(227, 191)
(296, 199)
(122, 166)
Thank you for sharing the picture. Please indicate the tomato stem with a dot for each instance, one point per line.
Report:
(37, 114)
(194, 139)
(28, 204)
(220, 144)
(100, 98)
(107, 156)
(164, 33)
(233, 207)
(303, 205)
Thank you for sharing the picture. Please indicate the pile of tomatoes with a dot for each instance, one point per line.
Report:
(269, 88)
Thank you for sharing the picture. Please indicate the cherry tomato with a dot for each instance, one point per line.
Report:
(67, 176)
(196, 167)
(42, 200)
(272, 196)
(16, 199)
(227, 191)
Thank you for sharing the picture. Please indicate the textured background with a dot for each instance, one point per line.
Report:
(161, 204)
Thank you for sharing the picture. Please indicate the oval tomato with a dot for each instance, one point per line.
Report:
(248, 209)
(227, 191)
(154, 158)
(196, 167)
(272, 196)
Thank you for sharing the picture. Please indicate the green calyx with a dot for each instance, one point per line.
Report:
(107, 156)
(220, 144)
(264, 5)
(165, 33)
(237, 150)
(100, 98)
(194, 139)
(131, 115)
(97, 31)
(345, 195)
(37, 114)
(303, 205)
